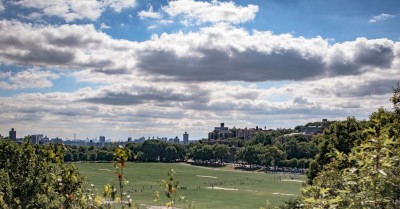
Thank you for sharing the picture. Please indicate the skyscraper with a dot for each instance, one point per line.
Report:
(102, 140)
(13, 134)
(185, 138)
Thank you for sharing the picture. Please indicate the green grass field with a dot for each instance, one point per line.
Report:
(231, 189)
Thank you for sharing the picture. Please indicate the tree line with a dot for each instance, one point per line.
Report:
(268, 148)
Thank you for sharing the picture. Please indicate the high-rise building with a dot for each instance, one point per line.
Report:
(13, 134)
(37, 138)
(176, 140)
(34, 139)
(102, 140)
(185, 138)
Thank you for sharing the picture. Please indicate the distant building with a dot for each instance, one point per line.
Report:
(312, 130)
(12, 135)
(45, 140)
(56, 140)
(176, 140)
(140, 140)
(36, 138)
(185, 138)
(75, 142)
(246, 133)
(325, 124)
(1, 137)
(129, 139)
(219, 133)
(102, 140)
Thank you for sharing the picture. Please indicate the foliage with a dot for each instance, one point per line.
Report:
(171, 187)
(341, 136)
(208, 153)
(36, 177)
(115, 194)
(367, 176)
(396, 99)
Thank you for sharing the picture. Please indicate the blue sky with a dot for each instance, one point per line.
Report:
(131, 68)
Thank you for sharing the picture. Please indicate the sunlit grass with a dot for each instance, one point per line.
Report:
(208, 187)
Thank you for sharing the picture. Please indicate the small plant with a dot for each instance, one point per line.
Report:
(115, 194)
(171, 187)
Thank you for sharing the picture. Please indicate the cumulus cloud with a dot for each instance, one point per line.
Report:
(217, 53)
(211, 12)
(62, 47)
(140, 94)
(226, 53)
(104, 26)
(31, 78)
(76, 10)
(354, 57)
(381, 17)
(149, 14)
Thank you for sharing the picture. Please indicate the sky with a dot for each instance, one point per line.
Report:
(132, 68)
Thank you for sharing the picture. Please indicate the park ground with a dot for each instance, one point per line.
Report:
(206, 187)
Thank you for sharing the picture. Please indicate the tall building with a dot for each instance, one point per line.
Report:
(325, 124)
(36, 138)
(13, 134)
(176, 140)
(185, 138)
(102, 140)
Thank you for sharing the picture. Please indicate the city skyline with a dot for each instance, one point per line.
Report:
(129, 68)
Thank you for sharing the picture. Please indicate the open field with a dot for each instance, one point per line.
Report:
(207, 187)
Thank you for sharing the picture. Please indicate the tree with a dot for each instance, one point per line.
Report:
(366, 177)
(68, 157)
(171, 154)
(221, 152)
(341, 136)
(276, 154)
(206, 153)
(34, 176)
(154, 150)
(291, 149)
(396, 99)
(252, 154)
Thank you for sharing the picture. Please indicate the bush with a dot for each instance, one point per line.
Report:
(36, 177)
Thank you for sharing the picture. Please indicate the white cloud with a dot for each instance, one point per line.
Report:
(76, 10)
(64, 47)
(104, 26)
(221, 50)
(213, 12)
(149, 14)
(165, 22)
(31, 78)
(152, 27)
(119, 5)
(381, 17)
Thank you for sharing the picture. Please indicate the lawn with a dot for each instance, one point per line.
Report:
(206, 187)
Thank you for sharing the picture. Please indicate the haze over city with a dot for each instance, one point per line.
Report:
(159, 68)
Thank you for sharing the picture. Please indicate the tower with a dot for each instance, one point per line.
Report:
(13, 134)
(185, 138)
(102, 140)
(325, 124)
